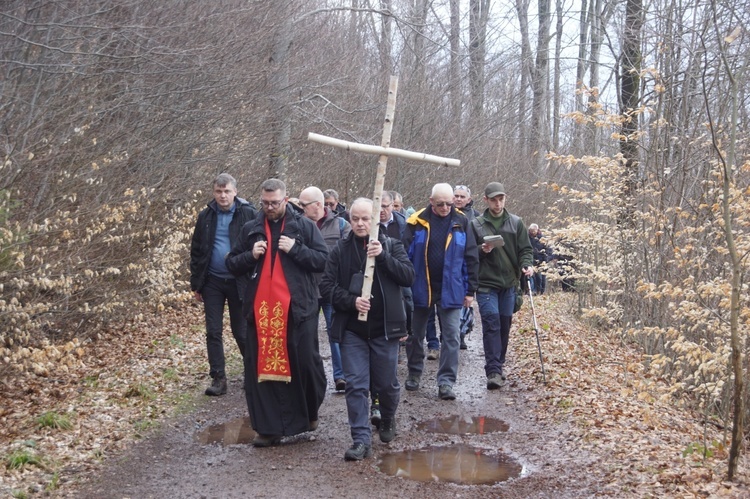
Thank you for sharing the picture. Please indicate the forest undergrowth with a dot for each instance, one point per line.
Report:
(61, 428)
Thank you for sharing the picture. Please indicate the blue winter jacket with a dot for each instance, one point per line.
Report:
(460, 271)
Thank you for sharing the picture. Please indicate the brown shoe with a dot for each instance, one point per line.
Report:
(432, 354)
(313, 425)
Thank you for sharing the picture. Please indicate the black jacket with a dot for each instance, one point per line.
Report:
(393, 269)
(204, 233)
(308, 255)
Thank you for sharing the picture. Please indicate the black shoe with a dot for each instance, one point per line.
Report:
(375, 416)
(387, 430)
(412, 383)
(218, 387)
(445, 392)
(494, 381)
(464, 346)
(340, 385)
(266, 440)
(358, 452)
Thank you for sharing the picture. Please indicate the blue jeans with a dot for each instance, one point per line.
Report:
(433, 343)
(215, 293)
(368, 363)
(338, 370)
(450, 319)
(538, 283)
(496, 310)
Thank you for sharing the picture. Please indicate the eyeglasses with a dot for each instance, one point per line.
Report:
(305, 205)
(461, 188)
(271, 204)
(443, 204)
(331, 204)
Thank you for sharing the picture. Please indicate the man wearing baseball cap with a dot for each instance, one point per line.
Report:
(503, 262)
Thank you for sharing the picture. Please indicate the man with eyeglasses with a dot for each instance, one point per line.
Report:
(218, 227)
(285, 381)
(331, 200)
(444, 253)
(334, 229)
(502, 264)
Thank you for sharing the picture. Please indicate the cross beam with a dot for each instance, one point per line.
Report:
(384, 150)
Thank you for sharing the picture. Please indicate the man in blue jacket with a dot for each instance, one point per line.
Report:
(444, 253)
(216, 230)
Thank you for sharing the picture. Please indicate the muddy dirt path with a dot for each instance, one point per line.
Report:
(174, 463)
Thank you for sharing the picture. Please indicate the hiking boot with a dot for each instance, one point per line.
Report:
(218, 387)
(432, 354)
(502, 374)
(464, 346)
(340, 385)
(412, 383)
(387, 430)
(494, 381)
(266, 440)
(445, 392)
(375, 416)
(358, 452)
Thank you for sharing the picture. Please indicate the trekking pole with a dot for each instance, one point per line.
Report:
(536, 331)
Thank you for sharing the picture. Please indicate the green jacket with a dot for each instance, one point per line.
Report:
(501, 267)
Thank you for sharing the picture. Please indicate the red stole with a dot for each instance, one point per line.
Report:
(271, 308)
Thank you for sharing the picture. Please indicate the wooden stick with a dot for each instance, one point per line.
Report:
(382, 150)
(378, 191)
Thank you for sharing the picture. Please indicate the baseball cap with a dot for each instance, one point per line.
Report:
(494, 189)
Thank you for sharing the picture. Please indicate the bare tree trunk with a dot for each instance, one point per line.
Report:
(728, 186)
(281, 120)
(583, 31)
(455, 68)
(629, 101)
(477, 52)
(522, 10)
(540, 84)
(556, 84)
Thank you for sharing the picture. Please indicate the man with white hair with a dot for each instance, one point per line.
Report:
(334, 228)
(444, 253)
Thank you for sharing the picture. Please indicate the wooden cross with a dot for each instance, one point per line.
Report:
(384, 150)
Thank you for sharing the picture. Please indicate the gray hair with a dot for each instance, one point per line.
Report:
(224, 179)
(330, 193)
(273, 185)
(367, 201)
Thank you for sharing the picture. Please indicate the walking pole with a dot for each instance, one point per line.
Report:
(536, 330)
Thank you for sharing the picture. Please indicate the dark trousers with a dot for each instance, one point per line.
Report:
(216, 292)
(369, 363)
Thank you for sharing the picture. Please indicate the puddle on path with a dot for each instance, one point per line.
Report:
(236, 431)
(456, 464)
(456, 425)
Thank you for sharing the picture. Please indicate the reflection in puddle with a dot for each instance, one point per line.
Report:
(457, 464)
(455, 425)
(237, 431)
